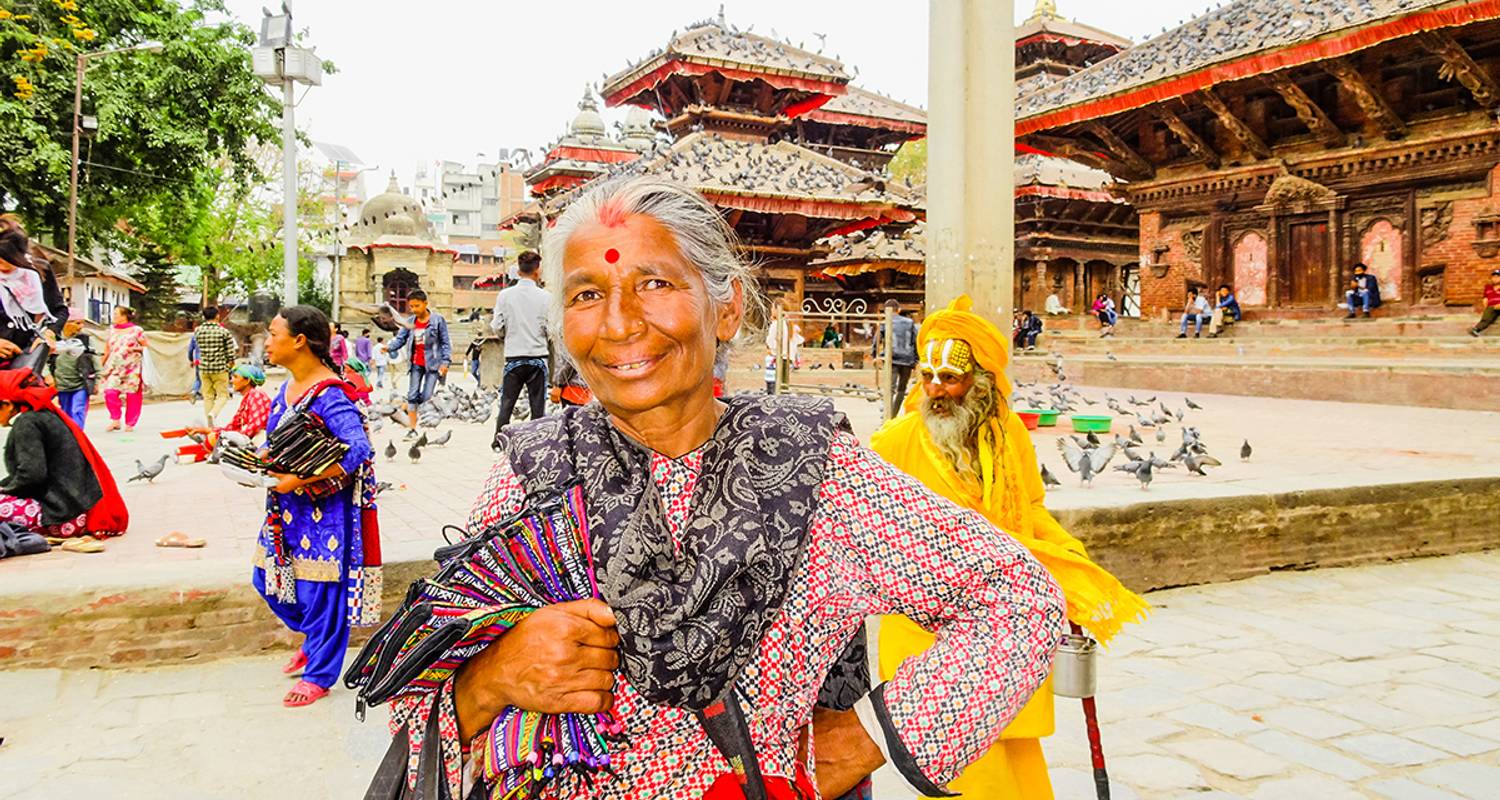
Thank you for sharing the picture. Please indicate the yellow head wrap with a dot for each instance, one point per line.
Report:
(987, 347)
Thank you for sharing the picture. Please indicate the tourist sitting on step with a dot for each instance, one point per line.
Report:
(1028, 327)
(1491, 305)
(1363, 293)
(1054, 306)
(1195, 311)
(1226, 311)
(1104, 309)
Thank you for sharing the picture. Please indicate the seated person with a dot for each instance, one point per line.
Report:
(831, 337)
(1104, 309)
(1054, 305)
(1196, 311)
(1028, 327)
(1363, 293)
(1226, 310)
(249, 420)
(55, 484)
(1491, 305)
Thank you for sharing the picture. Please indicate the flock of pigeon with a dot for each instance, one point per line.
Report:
(1089, 456)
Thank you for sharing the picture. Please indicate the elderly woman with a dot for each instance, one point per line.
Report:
(740, 546)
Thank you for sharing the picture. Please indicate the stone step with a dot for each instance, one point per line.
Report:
(1458, 348)
(1330, 325)
(1432, 383)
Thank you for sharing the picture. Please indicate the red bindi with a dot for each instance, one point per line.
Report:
(611, 255)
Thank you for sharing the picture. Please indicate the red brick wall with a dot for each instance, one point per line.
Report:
(1164, 295)
(1466, 272)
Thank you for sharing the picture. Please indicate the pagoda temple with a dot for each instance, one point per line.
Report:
(737, 105)
(393, 253)
(1271, 146)
(588, 151)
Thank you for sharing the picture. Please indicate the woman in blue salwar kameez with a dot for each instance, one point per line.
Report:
(317, 564)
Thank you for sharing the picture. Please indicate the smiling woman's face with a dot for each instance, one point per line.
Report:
(637, 318)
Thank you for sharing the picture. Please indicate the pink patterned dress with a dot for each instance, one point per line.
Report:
(122, 365)
(880, 543)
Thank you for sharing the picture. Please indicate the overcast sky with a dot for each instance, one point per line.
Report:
(449, 79)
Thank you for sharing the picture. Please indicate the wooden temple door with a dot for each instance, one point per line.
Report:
(1305, 266)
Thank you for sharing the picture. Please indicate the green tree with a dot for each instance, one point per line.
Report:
(157, 307)
(911, 162)
(165, 118)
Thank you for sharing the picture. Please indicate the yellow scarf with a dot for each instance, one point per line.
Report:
(1012, 498)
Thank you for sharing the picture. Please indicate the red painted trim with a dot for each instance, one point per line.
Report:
(1290, 56)
(1064, 193)
(595, 154)
(867, 121)
(858, 225)
(801, 107)
(818, 209)
(547, 184)
(677, 66)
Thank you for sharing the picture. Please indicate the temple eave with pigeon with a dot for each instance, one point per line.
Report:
(1271, 146)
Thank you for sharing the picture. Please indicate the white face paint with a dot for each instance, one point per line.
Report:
(948, 357)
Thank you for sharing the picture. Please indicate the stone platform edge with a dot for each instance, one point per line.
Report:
(1148, 545)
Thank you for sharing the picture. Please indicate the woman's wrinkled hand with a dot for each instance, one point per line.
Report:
(560, 659)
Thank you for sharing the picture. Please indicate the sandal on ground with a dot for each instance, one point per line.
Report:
(87, 544)
(113, 426)
(179, 539)
(303, 694)
(298, 662)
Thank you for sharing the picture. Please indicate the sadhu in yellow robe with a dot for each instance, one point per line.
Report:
(1012, 498)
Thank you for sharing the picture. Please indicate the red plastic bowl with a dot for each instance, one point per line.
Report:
(1031, 419)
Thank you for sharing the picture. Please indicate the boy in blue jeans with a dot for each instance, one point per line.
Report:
(73, 371)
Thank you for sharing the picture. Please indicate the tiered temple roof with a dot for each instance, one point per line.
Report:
(587, 151)
(1049, 47)
(1182, 60)
(864, 252)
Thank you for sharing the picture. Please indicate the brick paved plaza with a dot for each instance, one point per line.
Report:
(1376, 682)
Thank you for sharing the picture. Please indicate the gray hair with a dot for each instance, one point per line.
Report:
(703, 239)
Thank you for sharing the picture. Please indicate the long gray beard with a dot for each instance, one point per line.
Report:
(956, 432)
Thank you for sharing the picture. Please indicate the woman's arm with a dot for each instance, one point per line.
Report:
(997, 613)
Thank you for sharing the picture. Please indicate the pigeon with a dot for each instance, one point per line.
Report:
(442, 440)
(1161, 435)
(421, 442)
(1135, 437)
(1143, 421)
(148, 474)
(381, 487)
(390, 450)
(1143, 469)
(1048, 479)
(1245, 451)
(1092, 439)
(1180, 413)
(1191, 404)
(1195, 463)
(1087, 463)
(415, 453)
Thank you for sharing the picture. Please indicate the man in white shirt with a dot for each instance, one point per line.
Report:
(521, 313)
(1196, 312)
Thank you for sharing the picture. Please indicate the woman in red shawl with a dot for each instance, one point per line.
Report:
(55, 483)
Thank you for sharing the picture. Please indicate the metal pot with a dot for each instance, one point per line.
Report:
(1075, 672)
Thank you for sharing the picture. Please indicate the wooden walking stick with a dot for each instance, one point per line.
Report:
(1096, 750)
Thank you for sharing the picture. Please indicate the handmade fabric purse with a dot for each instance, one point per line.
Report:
(484, 586)
(301, 445)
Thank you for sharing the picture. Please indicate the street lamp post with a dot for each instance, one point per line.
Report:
(279, 62)
(81, 64)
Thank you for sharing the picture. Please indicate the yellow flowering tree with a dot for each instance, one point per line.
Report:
(165, 119)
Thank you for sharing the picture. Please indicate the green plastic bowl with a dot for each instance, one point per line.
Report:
(1046, 417)
(1091, 424)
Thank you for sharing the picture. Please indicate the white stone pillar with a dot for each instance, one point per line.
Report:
(971, 156)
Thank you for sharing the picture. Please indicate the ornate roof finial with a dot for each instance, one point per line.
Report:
(722, 24)
(1045, 9)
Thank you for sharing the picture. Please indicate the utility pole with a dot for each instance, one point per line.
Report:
(338, 219)
(81, 68)
(278, 61)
